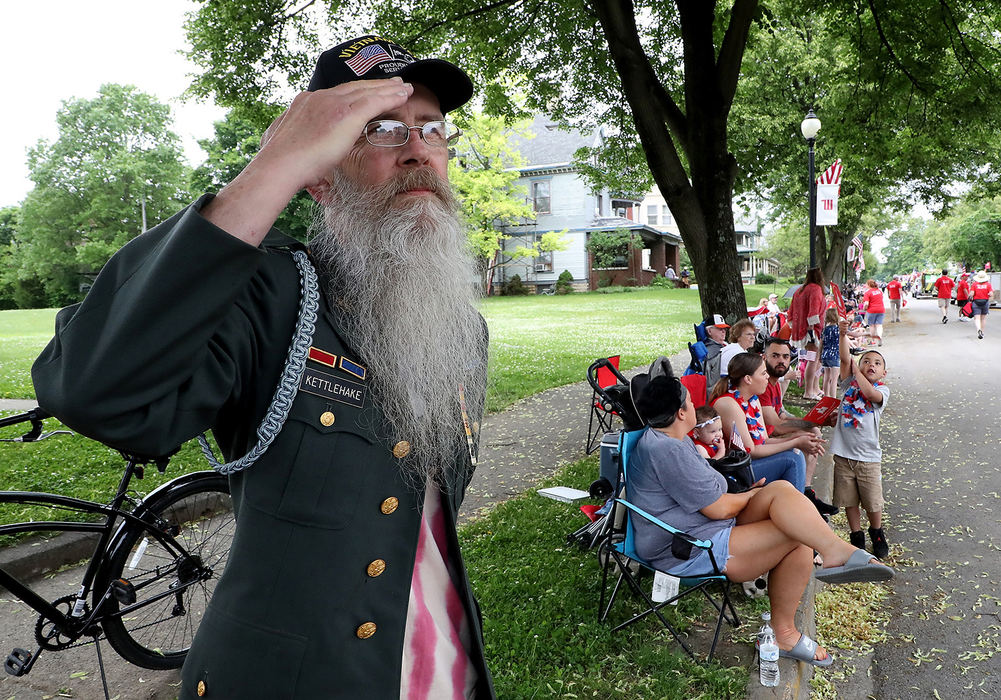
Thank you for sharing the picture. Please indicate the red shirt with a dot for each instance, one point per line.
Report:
(772, 397)
(962, 291)
(893, 289)
(944, 286)
(981, 290)
(873, 301)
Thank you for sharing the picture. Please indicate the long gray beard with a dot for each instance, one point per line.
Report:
(403, 286)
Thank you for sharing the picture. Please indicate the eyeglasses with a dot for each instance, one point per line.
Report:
(388, 133)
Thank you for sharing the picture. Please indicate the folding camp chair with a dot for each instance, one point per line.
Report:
(697, 387)
(602, 414)
(621, 552)
(700, 332)
(699, 352)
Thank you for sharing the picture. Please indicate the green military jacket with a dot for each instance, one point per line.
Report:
(187, 328)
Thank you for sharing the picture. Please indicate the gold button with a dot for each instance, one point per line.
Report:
(365, 630)
(376, 568)
(390, 505)
(200, 688)
(327, 419)
(401, 449)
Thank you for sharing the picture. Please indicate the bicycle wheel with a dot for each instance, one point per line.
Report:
(171, 591)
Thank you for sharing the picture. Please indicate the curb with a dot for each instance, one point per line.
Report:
(37, 556)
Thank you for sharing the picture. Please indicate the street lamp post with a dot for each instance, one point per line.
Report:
(810, 127)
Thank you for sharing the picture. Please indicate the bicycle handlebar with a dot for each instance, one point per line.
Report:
(35, 416)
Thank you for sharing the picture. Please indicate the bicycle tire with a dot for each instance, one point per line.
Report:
(158, 634)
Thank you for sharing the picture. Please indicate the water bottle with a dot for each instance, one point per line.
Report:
(766, 626)
(768, 665)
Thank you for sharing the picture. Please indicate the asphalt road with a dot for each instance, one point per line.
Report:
(942, 481)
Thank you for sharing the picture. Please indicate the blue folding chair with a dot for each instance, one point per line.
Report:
(622, 551)
(699, 352)
(700, 331)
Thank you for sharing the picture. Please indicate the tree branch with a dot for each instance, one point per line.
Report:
(886, 42)
(454, 18)
(731, 51)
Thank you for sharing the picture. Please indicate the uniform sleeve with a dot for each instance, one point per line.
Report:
(177, 322)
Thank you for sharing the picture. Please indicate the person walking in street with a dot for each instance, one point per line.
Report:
(962, 294)
(943, 285)
(893, 293)
(982, 291)
(855, 444)
(872, 301)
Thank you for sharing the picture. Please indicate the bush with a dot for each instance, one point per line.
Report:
(564, 285)
(514, 287)
(764, 278)
(662, 282)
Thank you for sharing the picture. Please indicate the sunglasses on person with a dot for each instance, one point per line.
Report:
(389, 133)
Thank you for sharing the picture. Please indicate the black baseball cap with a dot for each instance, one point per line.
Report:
(372, 57)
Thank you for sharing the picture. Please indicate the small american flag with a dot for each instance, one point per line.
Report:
(366, 58)
(735, 441)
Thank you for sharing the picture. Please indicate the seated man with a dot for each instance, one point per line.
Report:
(780, 422)
(770, 528)
(716, 329)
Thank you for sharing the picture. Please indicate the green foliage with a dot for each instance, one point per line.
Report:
(514, 287)
(564, 284)
(610, 247)
(659, 281)
(115, 157)
(971, 234)
(763, 278)
(23, 334)
(790, 246)
(237, 140)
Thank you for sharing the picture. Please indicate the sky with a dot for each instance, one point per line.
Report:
(58, 49)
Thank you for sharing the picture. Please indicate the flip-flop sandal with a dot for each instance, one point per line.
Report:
(860, 567)
(804, 651)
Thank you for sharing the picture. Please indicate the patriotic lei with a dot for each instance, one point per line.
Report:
(752, 411)
(855, 405)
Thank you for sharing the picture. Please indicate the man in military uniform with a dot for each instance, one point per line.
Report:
(345, 578)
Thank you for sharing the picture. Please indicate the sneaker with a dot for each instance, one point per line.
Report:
(880, 549)
(822, 508)
(980, 334)
(857, 539)
(857, 351)
(945, 319)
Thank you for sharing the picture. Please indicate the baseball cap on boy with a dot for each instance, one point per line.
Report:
(372, 57)
(715, 320)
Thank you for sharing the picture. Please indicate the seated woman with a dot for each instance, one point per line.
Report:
(772, 528)
(735, 398)
(742, 335)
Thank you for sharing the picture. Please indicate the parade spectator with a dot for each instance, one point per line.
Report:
(806, 311)
(735, 398)
(671, 274)
(742, 335)
(774, 314)
(874, 307)
(772, 528)
(708, 432)
(962, 294)
(982, 291)
(893, 293)
(830, 354)
(855, 445)
(779, 422)
(716, 329)
(187, 328)
(943, 286)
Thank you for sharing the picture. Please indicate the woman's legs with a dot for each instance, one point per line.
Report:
(810, 386)
(789, 465)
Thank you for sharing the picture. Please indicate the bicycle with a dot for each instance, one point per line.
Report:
(153, 570)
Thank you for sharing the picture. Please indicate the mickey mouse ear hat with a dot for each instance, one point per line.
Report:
(371, 57)
(657, 394)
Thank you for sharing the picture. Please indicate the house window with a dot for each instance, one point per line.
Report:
(668, 219)
(544, 263)
(540, 197)
(601, 206)
(651, 214)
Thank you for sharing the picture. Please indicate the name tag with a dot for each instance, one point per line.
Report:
(330, 387)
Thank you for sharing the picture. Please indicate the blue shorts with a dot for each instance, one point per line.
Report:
(980, 306)
(874, 319)
(700, 562)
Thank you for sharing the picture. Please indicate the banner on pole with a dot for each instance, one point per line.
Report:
(827, 205)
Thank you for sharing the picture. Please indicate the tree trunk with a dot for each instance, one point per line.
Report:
(700, 198)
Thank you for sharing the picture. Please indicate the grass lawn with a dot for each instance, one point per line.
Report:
(23, 334)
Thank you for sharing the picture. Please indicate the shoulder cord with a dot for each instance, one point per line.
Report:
(288, 384)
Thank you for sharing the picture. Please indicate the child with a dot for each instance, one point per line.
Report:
(830, 357)
(708, 432)
(855, 446)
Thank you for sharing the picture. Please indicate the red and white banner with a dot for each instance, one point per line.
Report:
(828, 189)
